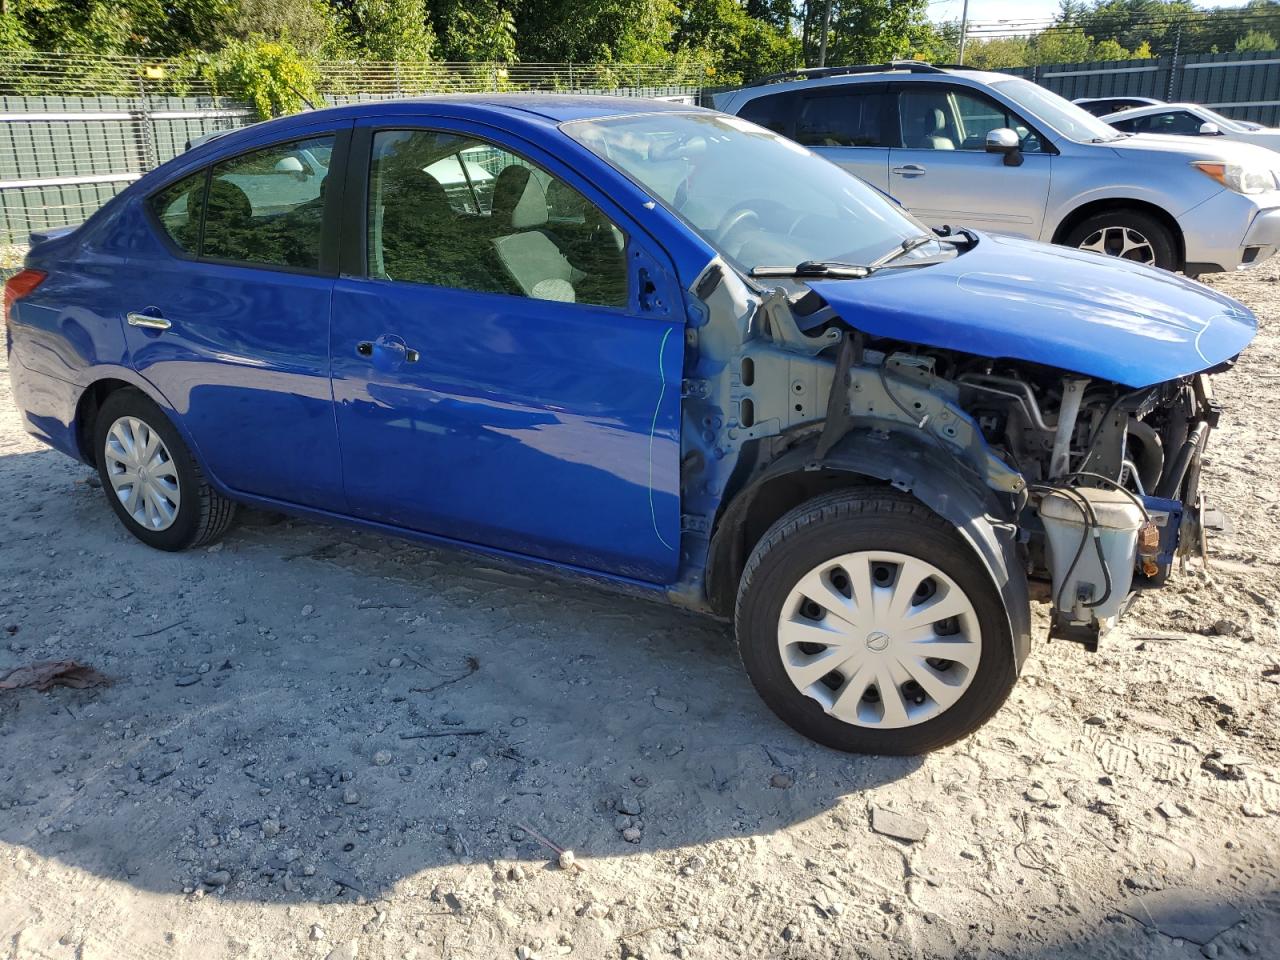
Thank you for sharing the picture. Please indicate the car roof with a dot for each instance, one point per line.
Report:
(545, 109)
(817, 77)
(1146, 101)
(1152, 108)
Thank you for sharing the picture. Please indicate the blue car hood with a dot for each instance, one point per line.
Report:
(1103, 317)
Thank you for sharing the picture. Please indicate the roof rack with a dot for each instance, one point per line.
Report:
(815, 73)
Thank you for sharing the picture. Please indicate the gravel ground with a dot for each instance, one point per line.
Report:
(322, 743)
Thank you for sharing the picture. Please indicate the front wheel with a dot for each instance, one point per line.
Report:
(151, 479)
(1127, 234)
(868, 624)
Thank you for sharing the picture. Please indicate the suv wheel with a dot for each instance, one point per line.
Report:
(867, 623)
(151, 479)
(1128, 234)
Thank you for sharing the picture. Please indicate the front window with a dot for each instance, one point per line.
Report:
(757, 197)
(951, 118)
(452, 211)
(1055, 112)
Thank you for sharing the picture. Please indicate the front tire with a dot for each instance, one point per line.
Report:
(151, 480)
(1126, 233)
(867, 623)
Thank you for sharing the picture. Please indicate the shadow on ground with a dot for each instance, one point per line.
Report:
(313, 712)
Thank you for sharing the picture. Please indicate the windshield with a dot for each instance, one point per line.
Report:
(1062, 115)
(757, 197)
(1224, 123)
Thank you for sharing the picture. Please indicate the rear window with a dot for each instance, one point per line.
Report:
(849, 119)
(264, 207)
(772, 112)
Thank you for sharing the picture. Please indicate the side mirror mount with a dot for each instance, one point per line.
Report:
(1210, 130)
(1004, 141)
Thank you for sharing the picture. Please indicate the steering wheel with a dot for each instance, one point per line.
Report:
(735, 217)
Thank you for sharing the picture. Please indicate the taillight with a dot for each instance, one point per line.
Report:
(19, 286)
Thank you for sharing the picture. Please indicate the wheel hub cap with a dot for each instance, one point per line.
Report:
(142, 473)
(1123, 242)
(879, 639)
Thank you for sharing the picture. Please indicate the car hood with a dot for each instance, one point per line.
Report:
(1095, 315)
(1194, 148)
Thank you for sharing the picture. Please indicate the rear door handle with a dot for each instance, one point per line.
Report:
(390, 349)
(910, 170)
(147, 320)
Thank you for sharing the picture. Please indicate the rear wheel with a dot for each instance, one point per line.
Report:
(868, 624)
(1128, 234)
(151, 479)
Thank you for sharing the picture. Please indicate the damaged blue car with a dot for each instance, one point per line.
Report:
(649, 345)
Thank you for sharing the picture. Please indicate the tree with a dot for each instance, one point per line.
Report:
(866, 31)
(311, 26)
(387, 29)
(738, 45)
(474, 30)
(1255, 40)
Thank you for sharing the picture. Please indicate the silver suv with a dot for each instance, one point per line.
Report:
(995, 152)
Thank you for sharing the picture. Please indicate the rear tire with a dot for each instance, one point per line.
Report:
(1127, 233)
(151, 479)
(886, 568)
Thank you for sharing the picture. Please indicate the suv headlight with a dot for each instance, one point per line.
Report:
(1237, 177)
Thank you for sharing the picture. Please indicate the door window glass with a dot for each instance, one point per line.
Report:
(845, 120)
(266, 207)
(178, 208)
(949, 118)
(1176, 122)
(457, 212)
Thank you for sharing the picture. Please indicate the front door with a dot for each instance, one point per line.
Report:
(227, 315)
(504, 374)
(943, 174)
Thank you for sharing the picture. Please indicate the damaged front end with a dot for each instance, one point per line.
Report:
(1076, 484)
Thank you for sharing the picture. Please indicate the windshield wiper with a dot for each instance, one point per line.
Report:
(856, 271)
(814, 268)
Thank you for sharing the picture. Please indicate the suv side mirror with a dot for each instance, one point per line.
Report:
(1210, 130)
(1005, 141)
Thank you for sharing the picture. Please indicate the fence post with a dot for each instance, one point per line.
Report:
(142, 117)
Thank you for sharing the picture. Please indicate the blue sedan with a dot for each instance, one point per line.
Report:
(651, 345)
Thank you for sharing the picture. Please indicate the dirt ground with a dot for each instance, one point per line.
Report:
(324, 744)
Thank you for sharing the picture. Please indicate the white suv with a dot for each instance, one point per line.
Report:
(995, 152)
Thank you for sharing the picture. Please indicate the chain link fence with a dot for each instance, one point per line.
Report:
(77, 129)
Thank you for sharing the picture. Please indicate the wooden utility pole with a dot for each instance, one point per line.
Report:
(964, 28)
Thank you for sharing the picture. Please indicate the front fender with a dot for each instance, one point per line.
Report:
(937, 480)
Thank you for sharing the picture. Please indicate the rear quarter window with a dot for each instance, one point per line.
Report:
(773, 112)
(177, 208)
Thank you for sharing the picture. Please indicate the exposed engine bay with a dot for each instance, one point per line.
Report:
(1092, 484)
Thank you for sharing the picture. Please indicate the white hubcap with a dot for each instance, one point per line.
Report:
(1123, 242)
(879, 639)
(142, 473)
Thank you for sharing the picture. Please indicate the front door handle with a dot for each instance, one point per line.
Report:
(910, 170)
(148, 321)
(387, 352)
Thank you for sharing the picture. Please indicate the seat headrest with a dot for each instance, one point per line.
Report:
(519, 199)
(938, 119)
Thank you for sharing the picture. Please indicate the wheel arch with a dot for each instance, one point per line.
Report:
(1086, 210)
(873, 460)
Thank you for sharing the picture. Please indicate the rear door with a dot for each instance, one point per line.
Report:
(228, 313)
(507, 353)
(849, 124)
(942, 172)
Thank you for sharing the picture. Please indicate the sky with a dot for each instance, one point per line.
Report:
(986, 11)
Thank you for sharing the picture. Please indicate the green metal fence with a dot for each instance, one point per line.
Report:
(1245, 86)
(75, 130)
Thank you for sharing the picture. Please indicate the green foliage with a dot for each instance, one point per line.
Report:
(738, 45)
(387, 29)
(475, 30)
(270, 74)
(1255, 40)
(867, 31)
